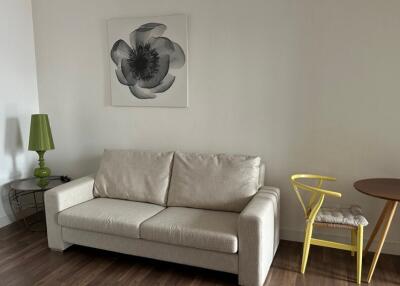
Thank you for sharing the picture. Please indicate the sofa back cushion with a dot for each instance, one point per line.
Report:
(261, 178)
(141, 176)
(215, 182)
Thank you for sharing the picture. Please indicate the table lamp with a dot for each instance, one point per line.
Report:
(41, 140)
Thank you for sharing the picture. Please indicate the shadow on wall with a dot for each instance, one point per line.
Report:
(9, 216)
(13, 146)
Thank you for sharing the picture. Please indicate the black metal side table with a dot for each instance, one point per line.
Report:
(27, 202)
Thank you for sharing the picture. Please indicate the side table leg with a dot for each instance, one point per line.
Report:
(389, 217)
(377, 227)
(34, 199)
(11, 195)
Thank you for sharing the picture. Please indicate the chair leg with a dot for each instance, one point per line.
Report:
(353, 239)
(306, 247)
(360, 234)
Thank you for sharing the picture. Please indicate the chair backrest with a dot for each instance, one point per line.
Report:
(317, 193)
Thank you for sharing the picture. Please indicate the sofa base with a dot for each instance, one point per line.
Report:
(219, 261)
(59, 250)
(61, 247)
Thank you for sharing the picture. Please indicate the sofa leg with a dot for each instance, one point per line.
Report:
(57, 250)
(61, 247)
(243, 284)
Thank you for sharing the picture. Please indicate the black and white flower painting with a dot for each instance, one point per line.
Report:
(149, 61)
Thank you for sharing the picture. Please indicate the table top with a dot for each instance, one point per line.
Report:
(384, 188)
(30, 184)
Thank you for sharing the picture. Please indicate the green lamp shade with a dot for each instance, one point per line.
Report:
(40, 138)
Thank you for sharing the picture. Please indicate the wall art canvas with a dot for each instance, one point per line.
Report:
(148, 61)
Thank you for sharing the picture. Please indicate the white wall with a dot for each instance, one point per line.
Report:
(311, 86)
(18, 95)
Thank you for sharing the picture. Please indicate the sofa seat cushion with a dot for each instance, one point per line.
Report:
(140, 176)
(202, 229)
(213, 181)
(111, 216)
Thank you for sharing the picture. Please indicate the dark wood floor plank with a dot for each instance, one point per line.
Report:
(26, 260)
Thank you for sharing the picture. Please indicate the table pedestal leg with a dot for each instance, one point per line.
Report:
(388, 214)
(377, 227)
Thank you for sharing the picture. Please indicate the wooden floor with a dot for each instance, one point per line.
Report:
(26, 260)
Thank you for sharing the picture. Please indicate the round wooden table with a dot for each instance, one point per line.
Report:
(389, 190)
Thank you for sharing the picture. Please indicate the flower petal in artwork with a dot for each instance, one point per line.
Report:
(141, 93)
(177, 58)
(119, 51)
(142, 34)
(165, 46)
(144, 66)
(127, 72)
(120, 76)
(164, 85)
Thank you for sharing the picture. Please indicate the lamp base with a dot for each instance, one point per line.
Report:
(42, 172)
(42, 182)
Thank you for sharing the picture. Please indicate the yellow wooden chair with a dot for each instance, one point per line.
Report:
(350, 219)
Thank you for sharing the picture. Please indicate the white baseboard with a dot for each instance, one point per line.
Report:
(390, 247)
(5, 220)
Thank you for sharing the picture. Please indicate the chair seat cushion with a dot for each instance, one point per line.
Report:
(110, 216)
(202, 229)
(348, 216)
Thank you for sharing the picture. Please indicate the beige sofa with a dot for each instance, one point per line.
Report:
(209, 211)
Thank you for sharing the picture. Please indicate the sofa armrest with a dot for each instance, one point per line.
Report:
(61, 198)
(275, 194)
(258, 232)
